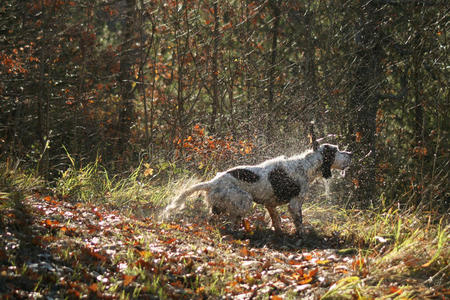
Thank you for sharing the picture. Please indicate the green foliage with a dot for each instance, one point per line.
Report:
(88, 183)
(15, 184)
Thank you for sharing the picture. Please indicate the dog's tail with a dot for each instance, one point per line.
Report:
(178, 203)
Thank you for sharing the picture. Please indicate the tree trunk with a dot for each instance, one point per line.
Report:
(215, 89)
(364, 103)
(310, 71)
(126, 109)
(272, 73)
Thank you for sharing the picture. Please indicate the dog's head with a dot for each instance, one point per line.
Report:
(333, 158)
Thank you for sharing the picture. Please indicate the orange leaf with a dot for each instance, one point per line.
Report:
(247, 226)
(358, 264)
(313, 272)
(127, 279)
(145, 254)
(395, 290)
(306, 280)
(358, 136)
(74, 293)
(170, 241)
(50, 223)
(244, 251)
(294, 262)
(93, 287)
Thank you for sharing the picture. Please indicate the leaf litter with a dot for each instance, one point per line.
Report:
(57, 249)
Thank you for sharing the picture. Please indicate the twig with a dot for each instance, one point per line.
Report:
(429, 280)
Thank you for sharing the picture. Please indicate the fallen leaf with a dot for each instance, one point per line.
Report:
(323, 262)
(307, 256)
(93, 287)
(313, 272)
(244, 251)
(305, 281)
(247, 226)
(395, 290)
(128, 279)
(169, 241)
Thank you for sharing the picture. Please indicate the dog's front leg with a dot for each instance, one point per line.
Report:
(295, 208)
(276, 221)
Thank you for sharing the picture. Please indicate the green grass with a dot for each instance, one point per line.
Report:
(388, 253)
(407, 251)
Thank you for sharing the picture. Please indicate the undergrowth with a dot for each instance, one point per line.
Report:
(405, 250)
(15, 184)
(395, 252)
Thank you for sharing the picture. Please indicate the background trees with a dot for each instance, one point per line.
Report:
(132, 80)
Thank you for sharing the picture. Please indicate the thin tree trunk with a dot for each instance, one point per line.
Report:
(310, 71)
(44, 98)
(364, 102)
(215, 71)
(272, 73)
(126, 109)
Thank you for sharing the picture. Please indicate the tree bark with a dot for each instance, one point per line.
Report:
(126, 109)
(364, 103)
(215, 71)
(272, 73)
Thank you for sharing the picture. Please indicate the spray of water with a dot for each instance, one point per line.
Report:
(176, 202)
(326, 184)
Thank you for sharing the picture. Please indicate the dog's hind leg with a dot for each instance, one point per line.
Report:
(230, 200)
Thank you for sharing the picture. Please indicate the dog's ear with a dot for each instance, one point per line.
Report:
(312, 137)
(328, 159)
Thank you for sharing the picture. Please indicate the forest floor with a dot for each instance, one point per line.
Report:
(53, 248)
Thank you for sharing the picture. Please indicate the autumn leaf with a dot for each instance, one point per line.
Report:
(395, 290)
(323, 262)
(145, 254)
(358, 264)
(93, 287)
(50, 223)
(307, 256)
(128, 279)
(313, 272)
(358, 137)
(294, 262)
(247, 226)
(245, 252)
(306, 280)
(169, 241)
(148, 172)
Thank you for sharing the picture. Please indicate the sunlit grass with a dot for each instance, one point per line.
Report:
(394, 252)
(394, 246)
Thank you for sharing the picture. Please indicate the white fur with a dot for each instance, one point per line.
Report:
(228, 194)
